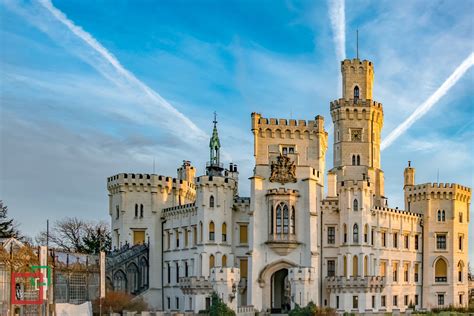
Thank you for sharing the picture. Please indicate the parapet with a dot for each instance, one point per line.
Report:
(179, 209)
(440, 191)
(283, 191)
(146, 180)
(295, 128)
(396, 211)
(360, 103)
(216, 181)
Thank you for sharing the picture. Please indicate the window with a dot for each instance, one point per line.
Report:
(440, 299)
(373, 301)
(243, 234)
(168, 299)
(177, 272)
(366, 233)
(293, 222)
(243, 268)
(177, 238)
(441, 241)
(186, 269)
(331, 268)
(441, 270)
(355, 205)
(372, 236)
(345, 233)
(141, 210)
(441, 216)
(416, 299)
(395, 300)
(406, 300)
(395, 272)
(355, 266)
(337, 301)
(460, 266)
(224, 232)
(353, 160)
(405, 273)
(186, 237)
(212, 261)
(383, 269)
(355, 233)
(168, 240)
(177, 302)
(407, 238)
(136, 210)
(285, 220)
(224, 261)
(211, 231)
(355, 301)
(200, 231)
(416, 242)
(331, 235)
(285, 150)
(356, 93)
(117, 212)
(194, 235)
(395, 240)
(383, 301)
(416, 272)
(460, 242)
(358, 160)
(460, 299)
(384, 239)
(460, 217)
(169, 273)
(345, 266)
(211, 201)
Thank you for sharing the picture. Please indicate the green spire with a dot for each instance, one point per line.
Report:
(214, 144)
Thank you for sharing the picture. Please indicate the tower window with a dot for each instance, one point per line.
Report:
(211, 231)
(353, 160)
(355, 205)
(460, 217)
(117, 212)
(356, 233)
(141, 210)
(136, 210)
(211, 201)
(356, 93)
(358, 160)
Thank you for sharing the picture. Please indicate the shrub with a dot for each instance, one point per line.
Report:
(311, 310)
(219, 308)
(118, 302)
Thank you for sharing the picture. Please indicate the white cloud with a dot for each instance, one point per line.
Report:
(338, 24)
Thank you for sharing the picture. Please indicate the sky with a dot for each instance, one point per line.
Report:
(89, 89)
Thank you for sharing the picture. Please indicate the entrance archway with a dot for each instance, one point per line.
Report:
(280, 291)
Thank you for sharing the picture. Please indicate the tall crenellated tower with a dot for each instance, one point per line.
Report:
(358, 122)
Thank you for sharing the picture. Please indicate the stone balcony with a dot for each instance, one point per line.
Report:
(282, 244)
(195, 285)
(342, 283)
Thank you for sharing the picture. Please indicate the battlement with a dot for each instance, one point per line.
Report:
(441, 191)
(146, 179)
(242, 201)
(179, 209)
(224, 274)
(354, 104)
(292, 126)
(215, 181)
(397, 211)
(301, 274)
(355, 62)
(283, 191)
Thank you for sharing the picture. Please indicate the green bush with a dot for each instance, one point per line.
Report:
(311, 310)
(219, 308)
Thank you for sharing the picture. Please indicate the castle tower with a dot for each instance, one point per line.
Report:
(186, 172)
(408, 182)
(358, 122)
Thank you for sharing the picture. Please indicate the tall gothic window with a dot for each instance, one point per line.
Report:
(292, 219)
(358, 160)
(356, 233)
(284, 221)
(353, 160)
(279, 213)
(136, 210)
(141, 210)
(272, 220)
(355, 205)
(224, 232)
(211, 231)
(356, 93)
(211, 201)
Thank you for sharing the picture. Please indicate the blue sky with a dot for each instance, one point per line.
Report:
(70, 118)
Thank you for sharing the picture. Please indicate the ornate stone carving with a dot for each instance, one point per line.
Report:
(283, 170)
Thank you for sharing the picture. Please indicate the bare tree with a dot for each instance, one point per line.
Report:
(76, 235)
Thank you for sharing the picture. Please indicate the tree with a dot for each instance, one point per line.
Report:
(7, 226)
(72, 234)
(118, 302)
(218, 307)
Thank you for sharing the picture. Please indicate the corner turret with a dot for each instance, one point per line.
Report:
(214, 167)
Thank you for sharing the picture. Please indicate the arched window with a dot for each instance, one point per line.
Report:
(224, 232)
(366, 266)
(272, 220)
(211, 201)
(345, 266)
(141, 210)
(285, 220)
(443, 216)
(355, 205)
(460, 268)
(358, 160)
(345, 233)
(212, 261)
(211, 231)
(460, 217)
(136, 210)
(120, 281)
(224, 261)
(353, 160)
(279, 213)
(366, 233)
(200, 231)
(177, 272)
(132, 276)
(117, 212)
(439, 215)
(355, 266)
(356, 93)
(292, 219)
(441, 270)
(355, 233)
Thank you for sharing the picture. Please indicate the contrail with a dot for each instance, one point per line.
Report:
(430, 102)
(106, 63)
(338, 24)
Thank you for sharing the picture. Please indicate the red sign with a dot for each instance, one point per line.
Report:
(16, 291)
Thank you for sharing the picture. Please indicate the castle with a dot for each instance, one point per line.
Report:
(292, 241)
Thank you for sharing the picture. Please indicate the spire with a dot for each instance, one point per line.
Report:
(214, 167)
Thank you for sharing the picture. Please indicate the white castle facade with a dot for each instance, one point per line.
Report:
(292, 241)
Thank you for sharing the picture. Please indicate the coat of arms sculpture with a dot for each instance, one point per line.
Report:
(283, 170)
